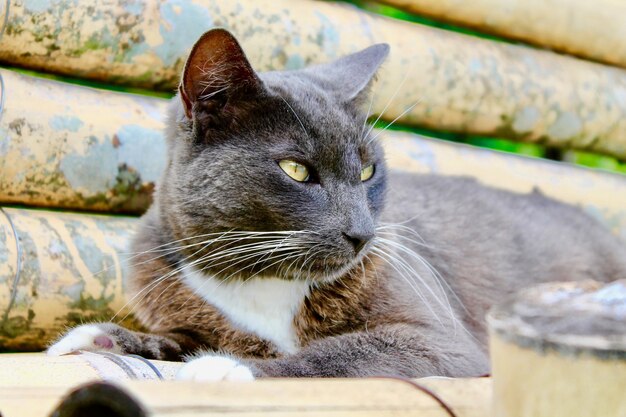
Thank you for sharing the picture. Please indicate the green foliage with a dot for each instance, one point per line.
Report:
(597, 161)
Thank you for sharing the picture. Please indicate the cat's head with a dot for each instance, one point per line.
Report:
(273, 172)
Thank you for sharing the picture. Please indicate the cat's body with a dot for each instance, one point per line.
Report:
(312, 276)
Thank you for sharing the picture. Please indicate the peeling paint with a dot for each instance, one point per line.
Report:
(70, 123)
(134, 141)
(183, 23)
(567, 125)
(70, 273)
(526, 119)
(94, 172)
(294, 62)
(37, 6)
(66, 156)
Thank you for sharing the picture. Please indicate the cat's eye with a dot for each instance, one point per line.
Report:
(367, 172)
(295, 170)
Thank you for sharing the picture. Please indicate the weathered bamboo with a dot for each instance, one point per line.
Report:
(463, 84)
(63, 269)
(52, 378)
(72, 266)
(600, 194)
(76, 147)
(78, 156)
(590, 29)
(559, 350)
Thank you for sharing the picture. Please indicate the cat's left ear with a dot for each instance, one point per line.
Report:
(216, 75)
(350, 76)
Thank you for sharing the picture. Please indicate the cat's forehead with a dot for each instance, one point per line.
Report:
(315, 108)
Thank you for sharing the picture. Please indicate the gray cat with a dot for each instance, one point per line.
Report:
(279, 243)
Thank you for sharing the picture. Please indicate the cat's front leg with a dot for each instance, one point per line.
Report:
(391, 350)
(116, 339)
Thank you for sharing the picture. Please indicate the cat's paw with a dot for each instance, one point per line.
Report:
(89, 337)
(214, 368)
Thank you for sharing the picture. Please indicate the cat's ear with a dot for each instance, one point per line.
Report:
(216, 72)
(350, 76)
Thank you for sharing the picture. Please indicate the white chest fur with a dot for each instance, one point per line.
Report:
(263, 306)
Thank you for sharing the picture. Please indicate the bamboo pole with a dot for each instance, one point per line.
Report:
(48, 379)
(559, 350)
(72, 266)
(79, 157)
(98, 151)
(59, 270)
(602, 195)
(463, 84)
(590, 29)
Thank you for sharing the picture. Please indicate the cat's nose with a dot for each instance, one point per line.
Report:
(358, 239)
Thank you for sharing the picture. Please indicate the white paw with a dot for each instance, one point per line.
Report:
(214, 368)
(86, 337)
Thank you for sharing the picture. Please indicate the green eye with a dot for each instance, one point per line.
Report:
(295, 170)
(367, 172)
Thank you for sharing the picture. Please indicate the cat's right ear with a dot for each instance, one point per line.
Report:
(216, 74)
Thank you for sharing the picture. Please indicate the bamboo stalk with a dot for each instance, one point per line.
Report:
(464, 84)
(602, 195)
(98, 151)
(48, 379)
(559, 350)
(63, 270)
(593, 30)
(80, 157)
(61, 252)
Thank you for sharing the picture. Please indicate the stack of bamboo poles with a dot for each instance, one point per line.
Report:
(75, 148)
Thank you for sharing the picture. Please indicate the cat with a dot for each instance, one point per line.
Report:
(280, 244)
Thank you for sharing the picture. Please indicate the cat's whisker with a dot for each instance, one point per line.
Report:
(391, 261)
(434, 274)
(198, 290)
(388, 103)
(153, 285)
(146, 290)
(295, 114)
(427, 264)
(415, 242)
(367, 115)
(252, 252)
(408, 109)
(438, 280)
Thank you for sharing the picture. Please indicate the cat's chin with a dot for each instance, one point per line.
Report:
(325, 273)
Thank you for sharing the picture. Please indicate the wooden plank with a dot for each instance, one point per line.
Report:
(463, 84)
(591, 29)
(301, 397)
